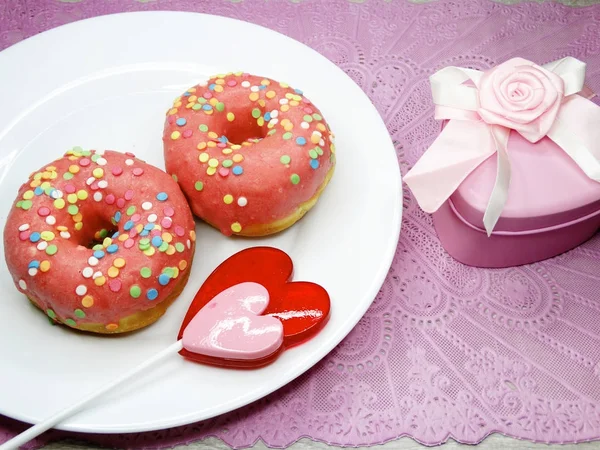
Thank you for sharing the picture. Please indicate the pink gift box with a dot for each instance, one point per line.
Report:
(514, 176)
(552, 207)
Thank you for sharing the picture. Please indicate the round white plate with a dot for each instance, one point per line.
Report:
(106, 83)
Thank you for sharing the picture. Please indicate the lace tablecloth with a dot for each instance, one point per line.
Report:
(445, 350)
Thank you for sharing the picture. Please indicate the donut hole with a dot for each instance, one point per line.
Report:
(94, 232)
(240, 131)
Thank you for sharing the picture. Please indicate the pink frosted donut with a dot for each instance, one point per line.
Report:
(101, 242)
(252, 155)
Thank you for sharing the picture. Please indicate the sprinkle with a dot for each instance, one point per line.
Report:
(98, 172)
(145, 272)
(116, 171)
(51, 250)
(135, 291)
(237, 158)
(242, 201)
(213, 162)
(300, 140)
(230, 116)
(314, 163)
(245, 84)
(163, 279)
(152, 218)
(162, 196)
(220, 106)
(113, 272)
(138, 171)
(129, 162)
(81, 290)
(45, 266)
(128, 243)
(99, 254)
(47, 235)
(237, 170)
(24, 227)
(113, 248)
(223, 171)
(287, 136)
(131, 210)
(166, 222)
(87, 301)
(79, 313)
(228, 199)
(87, 272)
(285, 159)
(236, 227)
(181, 121)
(93, 261)
(23, 285)
(152, 294)
(42, 245)
(187, 133)
(175, 135)
(109, 199)
(198, 185)
(146, 206)
(111, 326)
(179, 231)
(100, 280)
(70, 322)
(129, 194)
(295, 178)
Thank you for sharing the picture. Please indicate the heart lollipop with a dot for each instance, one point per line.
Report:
(243, 316)
(300, 307)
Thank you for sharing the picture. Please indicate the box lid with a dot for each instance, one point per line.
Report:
(547, 189)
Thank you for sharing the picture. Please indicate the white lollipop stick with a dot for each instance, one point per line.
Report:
(38, 429)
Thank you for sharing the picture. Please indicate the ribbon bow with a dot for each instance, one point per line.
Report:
(483, 108)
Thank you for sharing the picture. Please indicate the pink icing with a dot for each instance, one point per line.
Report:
(229, 326)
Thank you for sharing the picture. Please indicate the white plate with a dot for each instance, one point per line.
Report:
(106, 83)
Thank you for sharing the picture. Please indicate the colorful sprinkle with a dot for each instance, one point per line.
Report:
(285, 159)
(162, 196)
(135, 291)
(152, 294)
(295, 178)
(87, 301)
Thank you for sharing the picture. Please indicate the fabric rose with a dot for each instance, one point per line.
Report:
(520, 95)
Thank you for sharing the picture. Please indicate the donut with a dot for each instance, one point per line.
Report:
(100, 241)
(252, 155)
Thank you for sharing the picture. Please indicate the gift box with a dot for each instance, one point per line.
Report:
(514, 176)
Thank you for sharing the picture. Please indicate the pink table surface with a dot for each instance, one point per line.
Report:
(445, 350)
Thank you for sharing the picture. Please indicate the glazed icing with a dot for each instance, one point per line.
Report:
(94, 237)
(230, 325)
(247, 150)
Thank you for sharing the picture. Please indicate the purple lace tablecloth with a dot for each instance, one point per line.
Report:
(445, 350)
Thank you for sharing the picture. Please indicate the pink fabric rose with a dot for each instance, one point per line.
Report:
(521, 95)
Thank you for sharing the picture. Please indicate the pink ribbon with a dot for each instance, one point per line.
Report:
(483, 107)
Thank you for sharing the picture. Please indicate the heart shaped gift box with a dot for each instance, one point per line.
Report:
(540, 195)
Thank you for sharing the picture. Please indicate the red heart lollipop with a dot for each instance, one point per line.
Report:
(301, 307)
